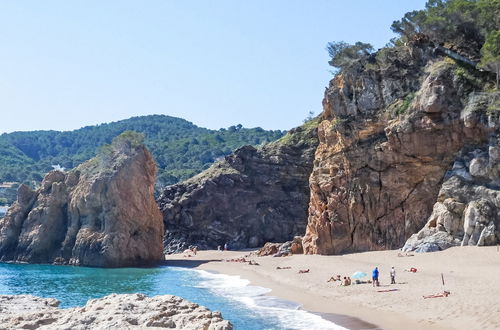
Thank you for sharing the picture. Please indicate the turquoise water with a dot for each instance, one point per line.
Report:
(247, 307)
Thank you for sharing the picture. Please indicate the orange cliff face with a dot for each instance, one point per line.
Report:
(101, 214)
(387, 138)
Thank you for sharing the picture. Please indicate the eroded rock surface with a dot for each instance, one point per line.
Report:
(102, 214)
(251, 197)
(282, 249)
(467, 211)
(387, 137)
(125, 311)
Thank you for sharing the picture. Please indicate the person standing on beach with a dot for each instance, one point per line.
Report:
(393, 275)
(225, 247)
(375, 276)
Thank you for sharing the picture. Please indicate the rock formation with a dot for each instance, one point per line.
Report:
(101, 214)
(125, 311)
(282, 249)
(393, 125)
(467, 211)
(388, 134)
(251, 197)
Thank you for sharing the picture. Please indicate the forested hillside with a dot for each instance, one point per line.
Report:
(181, 149)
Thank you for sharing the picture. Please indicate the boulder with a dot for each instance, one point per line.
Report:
(282, 249)
(269, 249)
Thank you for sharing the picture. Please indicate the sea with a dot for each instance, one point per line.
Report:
(246, 307)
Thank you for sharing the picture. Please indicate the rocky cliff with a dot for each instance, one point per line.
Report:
(467, 211)
(392, 127)
(102, 214)
(253, 196)
(396, 129)
(124, 311)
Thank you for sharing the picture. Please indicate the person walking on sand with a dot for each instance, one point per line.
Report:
(375, 276)
(393, 275)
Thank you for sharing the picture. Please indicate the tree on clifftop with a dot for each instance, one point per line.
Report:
(491, 54)
(458, 24)
(344, 55)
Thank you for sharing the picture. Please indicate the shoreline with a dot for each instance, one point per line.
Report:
(346, 321)
(468, 272)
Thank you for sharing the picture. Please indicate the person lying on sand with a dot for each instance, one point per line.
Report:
(253, 263)
(287, 267)
(237, 260)
(388, 290)
(333, 279)
(302, 271)
(405, 255)
(411, 270)
(438, 295)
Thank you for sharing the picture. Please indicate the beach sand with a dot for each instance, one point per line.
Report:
(471, 274)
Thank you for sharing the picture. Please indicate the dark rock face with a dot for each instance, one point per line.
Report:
(102, 214)
(467, 211)
(251, 197)
(387, 137)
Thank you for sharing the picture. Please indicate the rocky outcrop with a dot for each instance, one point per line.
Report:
(251, 197)
(101, 214)
(467, 211)
(125, 311)
(282, 249)
(388, 135)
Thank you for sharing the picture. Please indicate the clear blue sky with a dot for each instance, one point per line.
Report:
(67, 64)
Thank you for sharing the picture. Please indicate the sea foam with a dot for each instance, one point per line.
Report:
(255, 298)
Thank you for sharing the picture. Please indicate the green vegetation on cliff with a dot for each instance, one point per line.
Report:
(491, 54)
(463, 35)
(469, 28)
(302, 135)
(181, 149)
(462, 25)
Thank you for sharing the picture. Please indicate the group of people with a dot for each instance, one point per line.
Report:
(375, 274)
(344, 282)
(192, 249)
(243, 259)
(219, 248)
(375, 281)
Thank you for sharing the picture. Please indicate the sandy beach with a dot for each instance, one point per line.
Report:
(470, 273)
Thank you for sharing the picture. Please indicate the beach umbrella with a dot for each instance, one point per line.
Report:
(358, 275)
